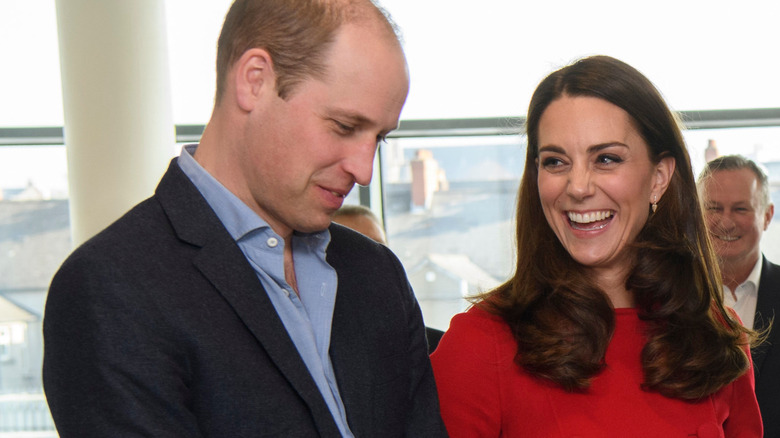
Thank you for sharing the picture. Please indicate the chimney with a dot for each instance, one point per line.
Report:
(425, 179)
(711, 152)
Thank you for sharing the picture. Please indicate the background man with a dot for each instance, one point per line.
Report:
(736, 195)
(225, 306)
(364, 221)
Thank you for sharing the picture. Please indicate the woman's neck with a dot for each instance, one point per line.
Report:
(613, 283)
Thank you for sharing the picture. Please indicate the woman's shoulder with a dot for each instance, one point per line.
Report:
(480, 333)
(480, 321)
(480, 315)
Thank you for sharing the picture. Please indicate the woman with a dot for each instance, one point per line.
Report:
(612, 324)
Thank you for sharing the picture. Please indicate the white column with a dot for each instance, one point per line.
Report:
(119, 131)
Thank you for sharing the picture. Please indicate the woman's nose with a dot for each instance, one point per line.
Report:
(580, 184)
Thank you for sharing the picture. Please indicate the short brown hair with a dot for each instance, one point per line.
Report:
(357, 210)
(296, 33)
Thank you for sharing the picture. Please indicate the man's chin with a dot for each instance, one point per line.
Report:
(314, 226)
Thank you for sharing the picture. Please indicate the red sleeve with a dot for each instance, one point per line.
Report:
(467, 368)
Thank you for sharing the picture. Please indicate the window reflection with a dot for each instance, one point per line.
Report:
(449, 206)
(761, 145)
(34, 240)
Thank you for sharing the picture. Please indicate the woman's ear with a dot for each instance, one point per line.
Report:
(663, 176)
(254, 75)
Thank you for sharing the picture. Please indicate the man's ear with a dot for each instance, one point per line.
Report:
(254, 76)
(768, 214)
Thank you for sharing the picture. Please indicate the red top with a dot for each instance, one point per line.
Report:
(483, 393)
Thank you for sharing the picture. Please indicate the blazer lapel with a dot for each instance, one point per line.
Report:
(768, 300)
(347, 348)
(221, 261)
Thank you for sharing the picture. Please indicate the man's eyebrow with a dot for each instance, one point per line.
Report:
(352, 117)
(359, 119)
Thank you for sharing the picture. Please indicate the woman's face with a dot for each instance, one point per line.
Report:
(596, 180)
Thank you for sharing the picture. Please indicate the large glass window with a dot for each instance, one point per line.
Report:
(759, 144)
(449, 205)
(34, 240)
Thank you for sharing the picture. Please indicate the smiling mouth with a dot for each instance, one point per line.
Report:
(590, 221)
(335, 191)
(726, 238)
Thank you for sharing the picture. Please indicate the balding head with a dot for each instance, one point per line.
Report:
(362, 220)
(296, 33)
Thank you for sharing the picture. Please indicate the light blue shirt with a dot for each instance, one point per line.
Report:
(307, 318)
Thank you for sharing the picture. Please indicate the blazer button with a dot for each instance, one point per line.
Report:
(709, 430)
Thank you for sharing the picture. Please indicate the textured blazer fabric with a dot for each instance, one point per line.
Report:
(766, 357)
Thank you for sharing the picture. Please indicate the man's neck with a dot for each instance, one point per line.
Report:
(734, 275)
(289, 265)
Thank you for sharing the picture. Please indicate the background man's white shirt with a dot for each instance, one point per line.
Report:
(743, 299)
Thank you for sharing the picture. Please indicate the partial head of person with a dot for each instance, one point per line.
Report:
(608, 216)
(306, 89)
(361, 219)
(735, 193)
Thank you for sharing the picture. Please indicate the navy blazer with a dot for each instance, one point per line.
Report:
(158, 326)
(766, 357)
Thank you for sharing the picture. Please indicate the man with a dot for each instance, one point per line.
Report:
(225, 306)
(736, 195)
(364, 221)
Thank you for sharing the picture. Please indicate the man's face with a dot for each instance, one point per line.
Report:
(300, 157)
(736, 217)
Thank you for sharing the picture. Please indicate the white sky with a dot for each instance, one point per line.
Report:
(467, 59)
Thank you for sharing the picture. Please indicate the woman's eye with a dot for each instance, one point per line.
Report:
(608, 159)
(551, 162)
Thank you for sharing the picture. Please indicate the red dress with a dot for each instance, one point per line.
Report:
(483, 393)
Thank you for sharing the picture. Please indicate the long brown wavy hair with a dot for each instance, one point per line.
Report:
(563, 322)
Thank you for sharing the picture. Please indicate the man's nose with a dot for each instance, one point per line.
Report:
(722, 221)
(360, 162)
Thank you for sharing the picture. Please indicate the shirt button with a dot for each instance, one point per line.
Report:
(272, 242)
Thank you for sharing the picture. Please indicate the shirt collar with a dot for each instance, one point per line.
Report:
(755, 275)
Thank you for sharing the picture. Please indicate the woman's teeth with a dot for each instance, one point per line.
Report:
(589, 217)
